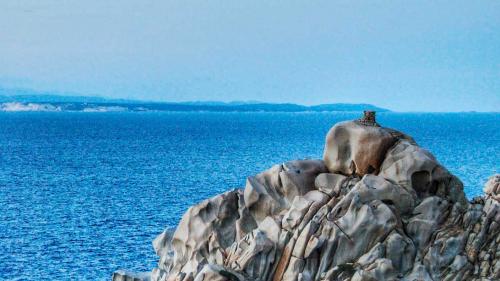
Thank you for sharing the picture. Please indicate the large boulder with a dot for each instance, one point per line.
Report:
(378, 207)
(418, 171)
(354, 148)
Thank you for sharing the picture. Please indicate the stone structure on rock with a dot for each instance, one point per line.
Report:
(377, 207)
(368, 118)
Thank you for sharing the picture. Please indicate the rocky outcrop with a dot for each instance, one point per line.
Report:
(378, 207)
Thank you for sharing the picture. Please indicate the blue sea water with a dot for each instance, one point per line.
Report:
(84, 194)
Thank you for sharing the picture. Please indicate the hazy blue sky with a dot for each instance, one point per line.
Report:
(424, 56)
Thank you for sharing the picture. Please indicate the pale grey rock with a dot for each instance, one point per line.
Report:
(123, 275)
(377, 252)
(330, 184)
(426, 219)
(401, 250)
(354, 148)
(213, 272)
(373, 187)
(416, 170)
(442, 253)
(203, 234)
(298, 177)
(163, 248)
(380, 269)
(264, 194)
(294, 215)
(303, 208)
(419, 272)
(492, 187)
(253, 256)
(378, 208)
(362, 226)
(273, 191)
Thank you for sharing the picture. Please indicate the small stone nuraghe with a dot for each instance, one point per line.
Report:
(368, 118)
(376, 207)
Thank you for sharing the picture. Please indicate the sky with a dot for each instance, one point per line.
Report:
(402, 55)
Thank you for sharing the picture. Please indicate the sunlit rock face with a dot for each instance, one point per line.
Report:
(492, 187)
(377, 207)
(354, 148)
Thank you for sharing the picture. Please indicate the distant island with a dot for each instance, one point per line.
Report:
(26, 100)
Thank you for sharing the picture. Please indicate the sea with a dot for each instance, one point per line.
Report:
(84, 194)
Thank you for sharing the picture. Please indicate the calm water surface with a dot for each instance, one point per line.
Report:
(84, 194)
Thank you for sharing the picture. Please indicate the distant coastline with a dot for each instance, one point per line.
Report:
(16, 106)
(24, 101)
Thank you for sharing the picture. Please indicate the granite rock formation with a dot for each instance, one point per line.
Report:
(377, 207)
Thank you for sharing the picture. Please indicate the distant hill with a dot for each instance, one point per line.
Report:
(26, 100)
(26, 95)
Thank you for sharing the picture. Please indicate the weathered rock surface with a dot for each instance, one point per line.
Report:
(378, 207)
(122, 275)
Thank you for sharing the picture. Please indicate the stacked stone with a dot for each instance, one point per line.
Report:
(368, 118)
